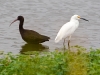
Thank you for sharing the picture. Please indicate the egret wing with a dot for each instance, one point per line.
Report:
(65, 31)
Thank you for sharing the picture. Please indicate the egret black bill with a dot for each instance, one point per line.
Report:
(84, 19)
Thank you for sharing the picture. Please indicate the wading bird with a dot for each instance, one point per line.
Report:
(68, 29)
(30, 36)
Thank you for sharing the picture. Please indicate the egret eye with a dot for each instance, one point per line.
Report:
(78, 17)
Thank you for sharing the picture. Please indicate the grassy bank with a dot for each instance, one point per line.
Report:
(52, 63)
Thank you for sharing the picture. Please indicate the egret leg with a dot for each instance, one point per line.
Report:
(69, 42)
(64, 44)
(68, 45)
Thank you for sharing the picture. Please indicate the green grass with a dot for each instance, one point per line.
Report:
(94, 64)
(47, 63)
(74, 62)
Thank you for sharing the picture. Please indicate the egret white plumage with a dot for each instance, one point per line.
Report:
(68, 29)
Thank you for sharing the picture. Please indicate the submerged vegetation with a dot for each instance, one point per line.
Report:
(74, 62)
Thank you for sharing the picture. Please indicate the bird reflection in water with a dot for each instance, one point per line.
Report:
(33, 47)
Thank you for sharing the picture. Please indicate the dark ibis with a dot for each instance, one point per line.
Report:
(30, 36)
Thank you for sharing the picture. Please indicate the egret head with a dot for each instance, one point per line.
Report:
(77, 17)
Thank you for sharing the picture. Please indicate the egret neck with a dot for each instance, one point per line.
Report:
(76, 22)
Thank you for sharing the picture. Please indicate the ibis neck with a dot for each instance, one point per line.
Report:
(21, 24)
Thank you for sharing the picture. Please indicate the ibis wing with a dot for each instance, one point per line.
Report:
(33, 37)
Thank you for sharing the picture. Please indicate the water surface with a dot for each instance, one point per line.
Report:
(46, 17)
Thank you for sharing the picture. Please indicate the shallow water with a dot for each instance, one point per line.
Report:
(46, 17)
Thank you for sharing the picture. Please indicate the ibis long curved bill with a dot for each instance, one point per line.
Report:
(13, 22)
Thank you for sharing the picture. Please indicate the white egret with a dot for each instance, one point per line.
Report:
(68, 29)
